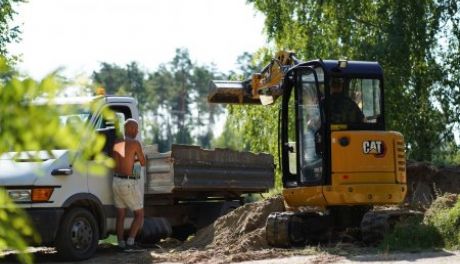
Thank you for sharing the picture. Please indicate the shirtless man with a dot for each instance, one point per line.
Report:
(126, 190)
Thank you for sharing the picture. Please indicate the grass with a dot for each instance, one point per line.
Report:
(444, 215)
(111, 239)
(440, 227)
(412, 235)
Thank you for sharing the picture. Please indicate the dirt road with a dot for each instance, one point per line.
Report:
(108, 254)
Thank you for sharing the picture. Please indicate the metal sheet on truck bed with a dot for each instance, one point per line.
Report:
(219, 172)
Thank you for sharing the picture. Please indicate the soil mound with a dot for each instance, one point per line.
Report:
(442, 203)
(425, 182)
(240, 230)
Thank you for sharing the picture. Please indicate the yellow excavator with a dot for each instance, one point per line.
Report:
(336, 156)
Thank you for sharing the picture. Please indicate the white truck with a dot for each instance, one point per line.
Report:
(184, 190)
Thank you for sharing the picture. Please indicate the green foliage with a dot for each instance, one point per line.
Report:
(254, 129)
(444, 216)
(412, 234)
(8, 33)
(15, 228)
(440, 227)
(408, 38)
(29, 120)
(123, 81)
(230, 137)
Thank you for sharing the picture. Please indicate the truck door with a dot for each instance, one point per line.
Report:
(101, 185)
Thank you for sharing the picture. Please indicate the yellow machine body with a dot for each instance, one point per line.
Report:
(361, 174)
(362, 166)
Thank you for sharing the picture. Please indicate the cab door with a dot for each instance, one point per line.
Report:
(302, 130)
(111, 129)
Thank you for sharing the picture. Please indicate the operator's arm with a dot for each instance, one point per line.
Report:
(140, 153)
(359, 116)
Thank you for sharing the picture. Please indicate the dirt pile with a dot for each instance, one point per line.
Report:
(425, 182)
(240, 230)
(440, 205)
(236, 236)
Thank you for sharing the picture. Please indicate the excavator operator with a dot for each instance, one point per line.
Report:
(343, 108)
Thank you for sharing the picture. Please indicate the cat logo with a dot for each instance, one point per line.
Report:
(373, 147)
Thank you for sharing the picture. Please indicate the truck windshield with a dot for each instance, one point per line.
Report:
(75, 116)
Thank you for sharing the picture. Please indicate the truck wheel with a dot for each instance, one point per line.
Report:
(78, 235)
(153, 230)
(182, 232)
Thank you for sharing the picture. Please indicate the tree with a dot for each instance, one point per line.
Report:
(403, 36)
(181, 88)
(8, 33)
(123, 81)
(172, 99)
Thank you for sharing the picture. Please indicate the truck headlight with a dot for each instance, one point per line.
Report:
(20, 195)
(37, 194)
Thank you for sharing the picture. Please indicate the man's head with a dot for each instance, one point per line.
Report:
(337, 85)
(131, 128)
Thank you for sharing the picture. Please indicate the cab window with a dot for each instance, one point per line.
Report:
(366, 94)
(355, 101)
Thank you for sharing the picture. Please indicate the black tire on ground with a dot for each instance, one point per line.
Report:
(78, 235)
(182, 232)
(153, 230)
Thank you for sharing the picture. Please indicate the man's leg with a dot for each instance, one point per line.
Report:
(121, 213)
(136, 225)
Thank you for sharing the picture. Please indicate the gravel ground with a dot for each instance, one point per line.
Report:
(108, 254)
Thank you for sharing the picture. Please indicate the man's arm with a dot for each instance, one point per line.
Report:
(140, 153)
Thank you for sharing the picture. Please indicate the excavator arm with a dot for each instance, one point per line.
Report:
(262, 88)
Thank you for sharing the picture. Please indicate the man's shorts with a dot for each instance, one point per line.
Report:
(127, 194)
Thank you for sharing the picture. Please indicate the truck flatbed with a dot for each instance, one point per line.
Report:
(189, 171)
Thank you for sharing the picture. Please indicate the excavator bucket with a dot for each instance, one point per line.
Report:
(231, 92)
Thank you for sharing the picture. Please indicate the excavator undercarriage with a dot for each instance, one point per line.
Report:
(356, 223)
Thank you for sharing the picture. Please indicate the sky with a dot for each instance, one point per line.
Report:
(80, 34)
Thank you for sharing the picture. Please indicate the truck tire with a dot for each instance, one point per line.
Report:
(182, 232)
(153, 230)
(78, 235)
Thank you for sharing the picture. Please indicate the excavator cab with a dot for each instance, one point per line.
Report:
(334, 147)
